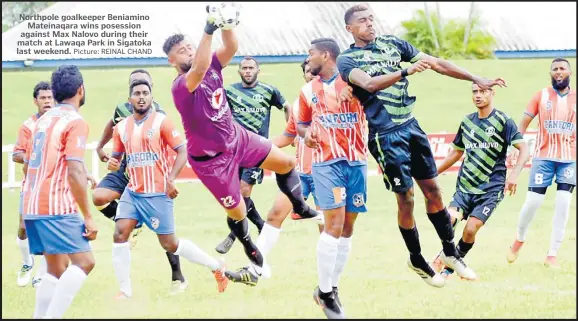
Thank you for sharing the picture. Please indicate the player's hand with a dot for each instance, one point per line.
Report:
(511, 185)
(172, 190)
(419, 66)
(345, 95)
(311, 139)
(211, 26)
(92, 181)
(90, 229)
(485, 83)
(113, 164)
(104, 156)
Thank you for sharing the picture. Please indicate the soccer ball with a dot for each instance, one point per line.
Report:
(224, 15)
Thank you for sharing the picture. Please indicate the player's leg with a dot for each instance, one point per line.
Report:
(331, 183)
(541, 176)
(108, 191)
(25, 271)
(424, 170)
(459, 209)
(566, 181)
(125, 222)
(158, 214)
(61, 241)
(395, 166)
(272, 228)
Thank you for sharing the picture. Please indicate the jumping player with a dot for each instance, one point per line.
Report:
(251, 101)
(484, 136)
(44, 100)
(109, 190)
(554, 155)
(146, 137)
(372, 67)
(199, 97)
(55, 188)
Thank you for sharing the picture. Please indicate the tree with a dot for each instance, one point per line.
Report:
(450, 36)
(11, 11)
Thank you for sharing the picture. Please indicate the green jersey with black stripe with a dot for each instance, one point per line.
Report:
(251, 107)
(388, 108)
(485, 142)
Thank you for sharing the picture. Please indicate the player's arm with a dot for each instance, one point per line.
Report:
(19, 151)
(351, 73)
(118, 150)
(455, 154)
(530, 113)
(289, 134)
(305, 116)
(516, 139)
(286, 108)
(104, 139)
(229, 48)
(174, 140)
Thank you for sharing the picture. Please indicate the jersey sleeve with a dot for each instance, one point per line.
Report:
(117, 144)
(534, 105)
(305, 112)
(22, 140)
(170, 134)
(513, 135)
(278, 99)
(75, 140)
(345, 64)
(458, 143)
(290, 128)
(409, 53)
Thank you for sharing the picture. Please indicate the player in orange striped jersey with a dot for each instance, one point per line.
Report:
(43, 100)
(554, 155)
(146, 137)
(337, 133)
(55, 188)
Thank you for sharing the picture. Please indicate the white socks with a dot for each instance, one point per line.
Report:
(121, 265)
(67, 287)
(41, 269)
(529, 209)
(193, 253)
(343, 250)
(267, 239)
(559, 221)
(44, 295)
(327, 248)
(24, 251)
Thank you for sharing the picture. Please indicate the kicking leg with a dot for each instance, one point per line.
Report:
(121, 255)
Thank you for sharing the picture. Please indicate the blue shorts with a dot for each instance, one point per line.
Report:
(115, 181)
(340, 184)
(480, 206)
(543, 171)
(403, 154)
(307, 187)
(155, 210)
(56, 234)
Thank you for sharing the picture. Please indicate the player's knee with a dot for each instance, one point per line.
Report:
(120, 235)
(169, 245)
(472, 228)
(405, 201)
(347, 231)
(100, 197)
(432, 194)
(87, 263)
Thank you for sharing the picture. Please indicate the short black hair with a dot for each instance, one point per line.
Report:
(172, 41)
(65, 82)
(137, 83)
(248, 58)
(559, 59)
(43, 85)
(303, 65)
(356, 8)
(327, 44)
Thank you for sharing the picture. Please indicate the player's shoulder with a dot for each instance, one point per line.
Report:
(158, 108)
(236, 85)
(472, 117)
(502, 115)
(266, 86)
(307, 89)
(30, 121)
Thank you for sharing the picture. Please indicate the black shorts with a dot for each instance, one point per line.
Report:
(480, 206)
(115, 181)
(251, 176)
(402, 154)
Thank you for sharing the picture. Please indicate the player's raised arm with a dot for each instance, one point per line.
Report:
(229, 48)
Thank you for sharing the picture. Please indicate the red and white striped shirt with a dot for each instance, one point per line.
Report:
(24, 136)
(304, 153)
(341, 127)
(147, 144)
(58, 137)
(556, 139)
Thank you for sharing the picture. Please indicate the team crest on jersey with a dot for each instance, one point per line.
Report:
(150, 133)
(568, 172)
(314, 99)
(548, 105)
(217, 98)
(214, 75)
(155, 222)
(259, 98)
(490, 131)
(366, 56)
(358, 200)
(239, 100)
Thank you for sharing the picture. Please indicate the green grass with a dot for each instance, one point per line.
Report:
(376, 281)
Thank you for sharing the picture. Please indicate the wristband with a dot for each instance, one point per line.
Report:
(404, 73)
